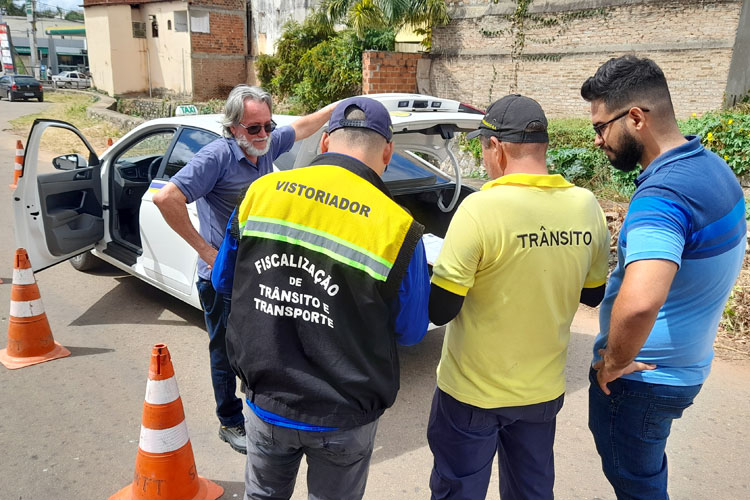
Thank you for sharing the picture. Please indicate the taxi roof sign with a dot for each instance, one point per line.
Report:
(185, 109)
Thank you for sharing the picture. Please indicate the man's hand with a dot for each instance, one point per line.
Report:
(209, 256)
(606, 373)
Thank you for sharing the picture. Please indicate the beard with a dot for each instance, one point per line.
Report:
(251, 150)
(628, 154)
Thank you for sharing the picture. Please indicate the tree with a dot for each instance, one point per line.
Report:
(74, 16)
(361, 15)
(11, 9)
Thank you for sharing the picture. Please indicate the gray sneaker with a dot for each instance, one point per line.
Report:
(235, 436)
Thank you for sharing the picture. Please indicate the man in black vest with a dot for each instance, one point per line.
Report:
(330, 274)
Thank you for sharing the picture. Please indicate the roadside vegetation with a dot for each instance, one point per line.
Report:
(71, 108)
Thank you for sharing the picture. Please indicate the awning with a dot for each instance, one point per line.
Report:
(66, 30)
(61, 51)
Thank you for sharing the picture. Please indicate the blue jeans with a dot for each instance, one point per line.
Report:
(338, 461)
(630, 428)
(216, 308)
(464, 440)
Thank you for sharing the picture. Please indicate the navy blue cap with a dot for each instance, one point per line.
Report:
(514, 118)
(377, 117)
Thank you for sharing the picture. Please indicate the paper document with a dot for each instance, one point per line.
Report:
(432, 246)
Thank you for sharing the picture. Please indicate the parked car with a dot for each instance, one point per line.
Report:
(105, 204)
(71, 79)
(15, 87)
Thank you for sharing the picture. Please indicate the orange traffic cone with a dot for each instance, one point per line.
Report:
(18, 167)
(29, 336)
(165, 466)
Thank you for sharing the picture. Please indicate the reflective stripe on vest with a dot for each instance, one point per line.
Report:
(298, 207)
(319, 241)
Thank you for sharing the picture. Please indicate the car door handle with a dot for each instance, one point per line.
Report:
(82, 176)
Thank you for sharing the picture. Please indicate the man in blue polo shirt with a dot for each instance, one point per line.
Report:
(679, 252)
(216, 179)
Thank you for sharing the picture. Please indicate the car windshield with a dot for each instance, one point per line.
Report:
(25, 81)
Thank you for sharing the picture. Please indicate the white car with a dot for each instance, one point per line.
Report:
(71, 80)
(104, 205)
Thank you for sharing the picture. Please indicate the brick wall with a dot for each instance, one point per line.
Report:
(227, 35)
(219, 59)
(389, 72)
(692, 40)
(214, 77)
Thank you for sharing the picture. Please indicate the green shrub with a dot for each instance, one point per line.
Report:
(573, 155)
(265, 68)
(726, 133)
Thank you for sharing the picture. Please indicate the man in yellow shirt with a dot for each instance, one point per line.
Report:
(518, 257)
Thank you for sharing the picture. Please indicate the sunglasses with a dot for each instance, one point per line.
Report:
(599, 129)
(254, 129)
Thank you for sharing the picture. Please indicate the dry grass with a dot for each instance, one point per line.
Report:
(71, 108)
(733, 339)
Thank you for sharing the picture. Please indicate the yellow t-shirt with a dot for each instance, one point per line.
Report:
(520, 251)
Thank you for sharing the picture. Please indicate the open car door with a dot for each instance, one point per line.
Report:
(57, 205)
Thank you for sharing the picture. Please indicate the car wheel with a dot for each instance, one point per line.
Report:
(85, 262)
(41, 98)
(10, 96)
(68, 85)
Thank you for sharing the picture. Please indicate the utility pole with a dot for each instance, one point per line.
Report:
(31, 18)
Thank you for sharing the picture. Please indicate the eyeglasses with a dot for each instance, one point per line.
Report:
(599, 129)
(254, 129)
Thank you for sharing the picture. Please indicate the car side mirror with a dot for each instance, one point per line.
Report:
(69, 162)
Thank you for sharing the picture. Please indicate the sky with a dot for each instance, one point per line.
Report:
(51, 4)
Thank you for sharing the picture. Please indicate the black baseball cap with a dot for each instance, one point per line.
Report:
(509, 119)
(377, 117)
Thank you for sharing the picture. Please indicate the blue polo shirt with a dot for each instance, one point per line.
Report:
(688, 208)
(217, 177)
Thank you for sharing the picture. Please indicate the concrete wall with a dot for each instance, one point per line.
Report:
(692, 40)
(117, 60)
(269, 17)
(168, 56)
(738, 84)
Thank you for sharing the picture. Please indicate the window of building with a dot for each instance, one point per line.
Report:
(169, 24)
(139, 30)
(199, 22)
(180, 21)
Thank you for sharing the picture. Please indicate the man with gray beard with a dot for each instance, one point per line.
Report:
(216, 178)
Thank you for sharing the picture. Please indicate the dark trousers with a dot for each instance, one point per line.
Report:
(464, 440)
(337, 461)
(630, 428)
(216, 308)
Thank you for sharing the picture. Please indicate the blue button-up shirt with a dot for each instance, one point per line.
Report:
(217, 177)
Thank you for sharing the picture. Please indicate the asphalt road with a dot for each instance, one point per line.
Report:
(69, 428)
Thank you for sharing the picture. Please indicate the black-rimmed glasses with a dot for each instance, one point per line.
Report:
(254, 129)
(599, 129)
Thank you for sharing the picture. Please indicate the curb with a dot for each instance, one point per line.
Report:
(103, 108)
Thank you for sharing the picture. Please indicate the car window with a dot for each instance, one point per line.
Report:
(140, 160)
(4, 79)
(25, 81)
(190, 142)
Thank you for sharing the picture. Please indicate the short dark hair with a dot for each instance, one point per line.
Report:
(627, 80)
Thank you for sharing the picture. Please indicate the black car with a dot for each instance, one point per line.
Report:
(15, 87)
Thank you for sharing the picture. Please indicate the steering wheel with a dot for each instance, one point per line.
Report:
(153, 167)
